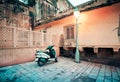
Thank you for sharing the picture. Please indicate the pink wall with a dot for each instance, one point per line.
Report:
(96, 26)
(16, 56)
(13, 56)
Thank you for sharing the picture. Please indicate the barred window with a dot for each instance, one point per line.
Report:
(69, 32)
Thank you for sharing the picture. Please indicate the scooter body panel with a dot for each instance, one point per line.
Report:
(46, 56)
(42, 54)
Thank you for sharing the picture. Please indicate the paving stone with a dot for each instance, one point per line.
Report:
(66, 70)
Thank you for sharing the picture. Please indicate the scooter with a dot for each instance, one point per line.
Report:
(43, 57)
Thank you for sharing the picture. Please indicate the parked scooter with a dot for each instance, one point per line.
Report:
(43, 57)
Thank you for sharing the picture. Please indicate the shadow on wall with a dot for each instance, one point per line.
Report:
(61, 43)
(119, 38)
(104, 55)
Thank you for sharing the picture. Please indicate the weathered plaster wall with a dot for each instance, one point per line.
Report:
(96, 27)
(13, 56)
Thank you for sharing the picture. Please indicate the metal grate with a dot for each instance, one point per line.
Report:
(22, 38)
(15, 37)
(6, 38)
(37, 39)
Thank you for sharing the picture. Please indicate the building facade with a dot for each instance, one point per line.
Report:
(98, 29)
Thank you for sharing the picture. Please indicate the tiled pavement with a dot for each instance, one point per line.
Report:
(66, 70)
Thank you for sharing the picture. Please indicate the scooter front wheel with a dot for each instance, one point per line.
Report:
(40, 62)
(56, 60)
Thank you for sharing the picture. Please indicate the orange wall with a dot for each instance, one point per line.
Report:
(95, 28)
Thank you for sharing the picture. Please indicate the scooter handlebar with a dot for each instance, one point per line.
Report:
(49, 47)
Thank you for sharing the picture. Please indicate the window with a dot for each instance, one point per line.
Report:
(69, 32)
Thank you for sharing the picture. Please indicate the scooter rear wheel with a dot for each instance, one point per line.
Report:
(40, 62)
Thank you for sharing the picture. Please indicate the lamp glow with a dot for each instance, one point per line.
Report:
(76, 14)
